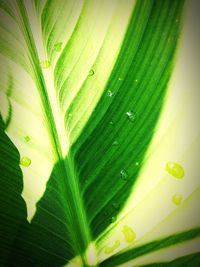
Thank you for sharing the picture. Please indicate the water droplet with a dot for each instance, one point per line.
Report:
(177, 199)
(110, 93)
(45, 64)
(109, 250)
(58, 47)
(25, 161)
(113, 219)
(120, 79)
(124, 175)
(136, 80)
(137, 163)
(116, 206)
(129, 234)
(115, 143)
(175, 170)
(111, 122)
(27, 139)
(131, 116)
(91, 73)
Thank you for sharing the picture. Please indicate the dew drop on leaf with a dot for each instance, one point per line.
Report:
(129, 234)
(113, 219)
(136, 80)
(45, 64)
(109, 250)
(120, 79)
(91, 73)
(115, 143)
(111, 122)
(110, 93)
(137, 163)
(175, 170)
(177, 199)
(124, 175)
(131, 116)
(27, 139)
(58, 46)
(25, 161)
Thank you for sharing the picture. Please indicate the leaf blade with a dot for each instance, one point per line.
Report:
(152, 246)
(84, 150)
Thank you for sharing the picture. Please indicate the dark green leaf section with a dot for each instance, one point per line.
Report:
(192, 260)
(12, 209)
(150, 247)
(46, 239)
(44, 242)
(138, 83)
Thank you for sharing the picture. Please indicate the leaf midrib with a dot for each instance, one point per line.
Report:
(79, 232)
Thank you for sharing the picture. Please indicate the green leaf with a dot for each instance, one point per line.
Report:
(10, 195)
(89, 83)
(155, 245)
(190, 260)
